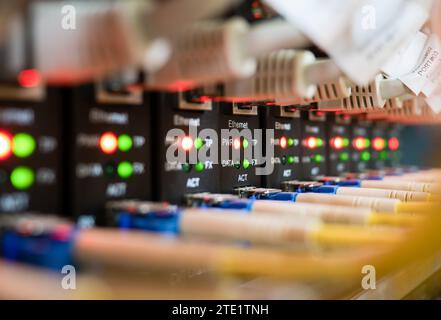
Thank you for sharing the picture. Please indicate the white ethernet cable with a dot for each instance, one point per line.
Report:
(414, 111)
(390, 105)
(81, 40)
(225, 52)
(156, 25)
(398, 93)
(339, 88)
(283, 75)
(275, 34)
(211, 52)
(206, 53)
(367, 98)
(331, 85)
(169, 17)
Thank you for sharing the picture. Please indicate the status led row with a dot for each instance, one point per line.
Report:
(187, 143)
(313, 142)
(124, 169)
(361, 143)
(285, 142)
(21, 178)
(339, 143)
(198, 167)
(290, 159)
(379, 144)
(22, 145)
(109, 143)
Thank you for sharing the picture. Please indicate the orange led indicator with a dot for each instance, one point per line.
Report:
(359, 143)
(311, 143)
(337, 143)
(378, 144)
(108, 143)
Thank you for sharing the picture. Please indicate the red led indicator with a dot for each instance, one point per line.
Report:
(29, 78)
(394, 144)
(187, 143)
(203, 99)
(5, 145)
(359, 143)
(108, 143)
(236, 144)
(283, 142)
(337, 143)
(378, 144)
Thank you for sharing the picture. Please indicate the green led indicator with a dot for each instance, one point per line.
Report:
(367, 143)
(22, 178)
(109, 169)
(283, 160)
(125, 170)
(23, 145)
(318, 158)
(319, 142)
(198, 143)
(199, 167)
(291, 159)
(186, 167)
(383, 155)
(246, 164)
(245, 143)
(365, 156)
(345, 142)
(344, 156)
(125, 143)
(290, 142)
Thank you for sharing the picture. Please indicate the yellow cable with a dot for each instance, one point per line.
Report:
(340, 235)
(400, 220)
(418, 207)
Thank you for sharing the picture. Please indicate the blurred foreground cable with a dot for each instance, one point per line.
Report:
(267, 227)
(60, 245)
(28, 282)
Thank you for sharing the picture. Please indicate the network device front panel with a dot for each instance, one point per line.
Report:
(107, 149)
(314, 143)
(282, 123)
(393, 137)
(360, 146)
(241, 141)
(30, 173)
(379, 146)
(338, 145)
(115, 143)
(197, 170)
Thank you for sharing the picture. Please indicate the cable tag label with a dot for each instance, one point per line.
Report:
(407, 58)
(423, 77)
(359, 35)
